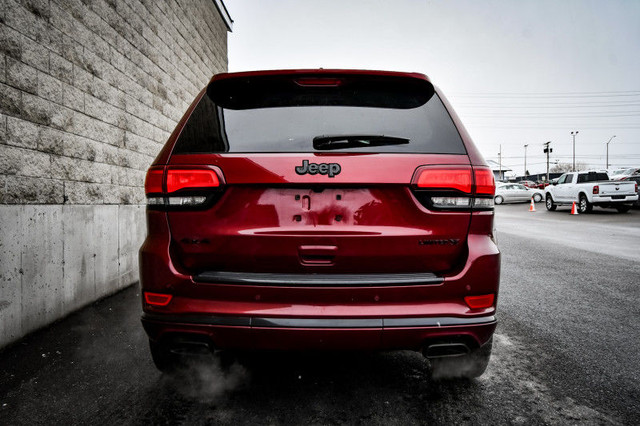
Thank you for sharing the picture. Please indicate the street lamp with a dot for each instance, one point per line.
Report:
(608, 150)
(525, 159)
(573, 134)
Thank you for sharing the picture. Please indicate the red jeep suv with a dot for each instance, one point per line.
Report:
(321, 210)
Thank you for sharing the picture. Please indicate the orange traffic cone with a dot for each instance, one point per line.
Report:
(532, 207)
(574, 209)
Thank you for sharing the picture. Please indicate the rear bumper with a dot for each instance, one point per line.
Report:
(268, 333)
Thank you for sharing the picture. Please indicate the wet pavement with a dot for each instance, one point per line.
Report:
(565, 352)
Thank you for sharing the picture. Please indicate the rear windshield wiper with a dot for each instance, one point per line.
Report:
(326, 143)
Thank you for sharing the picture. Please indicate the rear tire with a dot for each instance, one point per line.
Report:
(537, 198)
(623, 209)
(551, 206)
(584, 206)
(498, 199)
(164, 360)
(468, 366)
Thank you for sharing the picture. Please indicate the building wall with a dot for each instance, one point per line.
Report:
(89, 92)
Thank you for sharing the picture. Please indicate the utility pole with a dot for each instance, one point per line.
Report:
(525, 159)
(547, 151)
(500, 162)
(608, 150)
(573, 134)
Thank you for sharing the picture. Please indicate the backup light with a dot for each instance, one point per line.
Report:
(480, 302)
(451, 202)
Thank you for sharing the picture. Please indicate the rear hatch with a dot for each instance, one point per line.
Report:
(325, 174)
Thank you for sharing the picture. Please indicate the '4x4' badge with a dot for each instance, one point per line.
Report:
(331, 169)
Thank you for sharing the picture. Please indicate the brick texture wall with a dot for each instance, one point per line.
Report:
(90, 89)
(89, 92)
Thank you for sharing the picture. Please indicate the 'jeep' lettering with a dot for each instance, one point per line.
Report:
(331, 169)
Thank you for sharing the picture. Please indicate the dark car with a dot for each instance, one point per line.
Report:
(321, 210)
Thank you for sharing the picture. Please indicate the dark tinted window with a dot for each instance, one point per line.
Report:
(401, 115)
(592, 177)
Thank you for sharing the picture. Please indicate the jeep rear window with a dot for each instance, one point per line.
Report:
(341, 114)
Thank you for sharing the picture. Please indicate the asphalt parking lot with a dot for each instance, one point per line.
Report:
(565, 352)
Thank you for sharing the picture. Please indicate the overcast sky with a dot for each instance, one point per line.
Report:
(517, 72)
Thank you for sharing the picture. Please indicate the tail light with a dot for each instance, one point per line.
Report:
(454, 187)
(177, 187)
(596, 189)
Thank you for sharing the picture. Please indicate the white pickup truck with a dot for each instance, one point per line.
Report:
(589, 189)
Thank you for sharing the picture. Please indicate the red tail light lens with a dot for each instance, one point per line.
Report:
(596, 189)
(485, 184)
(178, 179)
(157, 299)
(455, 178)
(480, 302)
(153, 181)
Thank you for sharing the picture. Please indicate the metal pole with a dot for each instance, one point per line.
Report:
(546, 146)
(608, 150)
(573, 134)
(525, 159)
(500, 162)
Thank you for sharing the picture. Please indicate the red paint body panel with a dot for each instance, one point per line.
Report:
(368, 219)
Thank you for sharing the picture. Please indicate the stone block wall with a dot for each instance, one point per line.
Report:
(89, 92)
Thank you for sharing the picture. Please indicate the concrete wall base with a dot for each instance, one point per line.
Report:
(55, 259)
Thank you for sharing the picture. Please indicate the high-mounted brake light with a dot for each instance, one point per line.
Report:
(153, 181)
(485, 184)
(318, 81)
(596, 189)
(178, 179)
(458, 179)
(157, 299)
(480, 302)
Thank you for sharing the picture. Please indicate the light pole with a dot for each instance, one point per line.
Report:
(547, 151)
(525, 159)
(573, 134)
(608, 150)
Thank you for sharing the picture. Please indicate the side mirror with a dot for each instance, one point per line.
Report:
(554, 183)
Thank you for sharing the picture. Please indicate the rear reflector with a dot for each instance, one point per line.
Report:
(157, 299)
(153, 181)
(485, 184)
(480, 302)
(178, 179)
(458, 179)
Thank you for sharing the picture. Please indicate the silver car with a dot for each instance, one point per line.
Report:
(516, 193)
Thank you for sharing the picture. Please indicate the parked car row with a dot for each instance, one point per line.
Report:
(586, 189)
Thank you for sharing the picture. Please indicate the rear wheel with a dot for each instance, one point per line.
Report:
(466, 366)
(498, 199)
(537, 198)
(551, 206)
(623, 209)
(584, 206)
